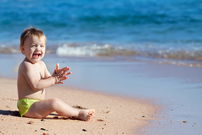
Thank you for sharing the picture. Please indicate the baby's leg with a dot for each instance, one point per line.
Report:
(44, 107)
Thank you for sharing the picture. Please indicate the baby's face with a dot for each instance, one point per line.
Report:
(34, 48)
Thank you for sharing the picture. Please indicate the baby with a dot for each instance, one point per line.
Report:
(34, 77)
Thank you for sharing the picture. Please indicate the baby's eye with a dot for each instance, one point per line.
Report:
(34, 45)
(41, 45)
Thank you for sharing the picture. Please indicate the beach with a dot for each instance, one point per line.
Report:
(137, 62)
(114, 115)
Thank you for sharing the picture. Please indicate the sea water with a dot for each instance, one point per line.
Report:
(168, 29)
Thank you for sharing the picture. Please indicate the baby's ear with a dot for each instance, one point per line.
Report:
(22, 49)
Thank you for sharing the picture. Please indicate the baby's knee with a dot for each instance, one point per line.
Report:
(55, 102)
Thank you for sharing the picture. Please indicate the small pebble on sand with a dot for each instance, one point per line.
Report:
(30, 122)
(84, 130)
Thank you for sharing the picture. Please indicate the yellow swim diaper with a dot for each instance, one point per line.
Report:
(24, 105)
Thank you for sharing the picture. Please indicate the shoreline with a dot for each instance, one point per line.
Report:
(114, 114)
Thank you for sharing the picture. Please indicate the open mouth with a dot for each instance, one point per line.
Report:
(36, 55)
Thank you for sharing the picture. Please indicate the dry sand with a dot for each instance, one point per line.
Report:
(114, 115)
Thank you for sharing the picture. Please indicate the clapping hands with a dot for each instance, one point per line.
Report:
(61, 74)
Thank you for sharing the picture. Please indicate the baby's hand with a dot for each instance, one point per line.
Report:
(61, 74)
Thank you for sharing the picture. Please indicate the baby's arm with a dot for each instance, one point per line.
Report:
(34, 79)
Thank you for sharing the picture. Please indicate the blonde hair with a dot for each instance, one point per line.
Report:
(29, 32)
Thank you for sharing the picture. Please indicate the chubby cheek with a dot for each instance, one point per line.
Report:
(27, 52)
(43, 51)
(31, 51)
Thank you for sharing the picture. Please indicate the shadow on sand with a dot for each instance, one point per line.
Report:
(50, 116)
(9, 112)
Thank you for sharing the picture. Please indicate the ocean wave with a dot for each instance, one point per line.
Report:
(107, 50)
(111, 51)
(175, 55)
(8, 49)
(93, 50)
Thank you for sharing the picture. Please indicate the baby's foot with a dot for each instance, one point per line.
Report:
(86, 114)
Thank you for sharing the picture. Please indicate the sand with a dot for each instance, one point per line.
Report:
(114, 115)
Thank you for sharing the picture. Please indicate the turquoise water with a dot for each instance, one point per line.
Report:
(168, 29)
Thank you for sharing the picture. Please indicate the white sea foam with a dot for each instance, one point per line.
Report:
(8, 49)
(68, 50)
(92, 50)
